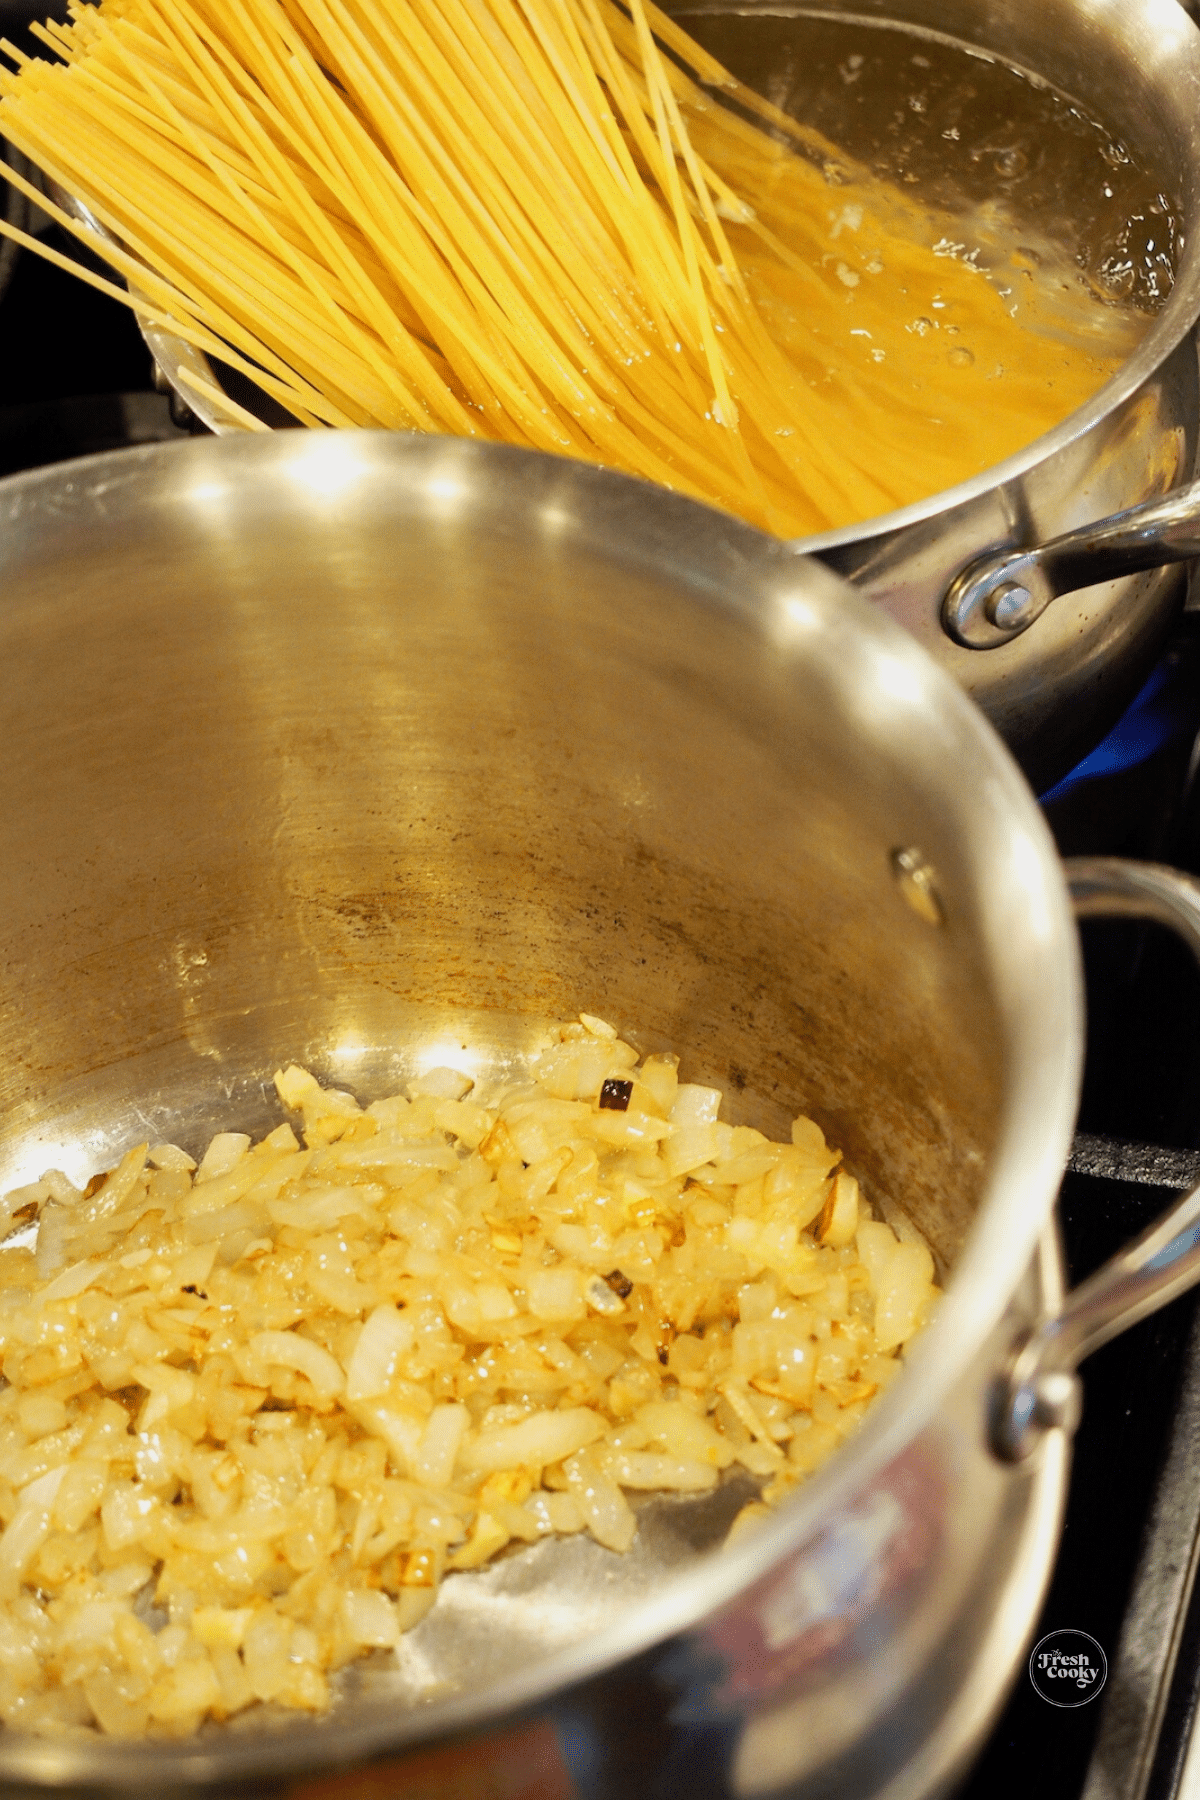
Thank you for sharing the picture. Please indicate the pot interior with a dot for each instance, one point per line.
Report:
(1112, 178)
(373, 753)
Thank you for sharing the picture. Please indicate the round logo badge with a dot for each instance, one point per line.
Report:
(1068, 1668)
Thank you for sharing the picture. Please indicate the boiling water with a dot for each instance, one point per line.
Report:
(1026, 169)
(982, 255)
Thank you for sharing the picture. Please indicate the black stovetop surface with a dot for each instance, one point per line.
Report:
(1142, 1086)
(67, 355)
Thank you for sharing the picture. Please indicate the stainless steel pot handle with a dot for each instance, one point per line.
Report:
(999, 596)
(1038, 1388)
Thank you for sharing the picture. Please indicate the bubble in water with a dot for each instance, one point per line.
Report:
(960, 357)
(1117, 276)
(920, 327)
(1010, 163)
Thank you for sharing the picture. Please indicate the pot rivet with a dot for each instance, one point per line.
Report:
(1008, 606)
(918, 884)
(1058, 1401)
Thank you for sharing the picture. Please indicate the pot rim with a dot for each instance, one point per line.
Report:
(1039, 998)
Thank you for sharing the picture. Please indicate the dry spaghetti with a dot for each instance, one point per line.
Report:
(531, 220)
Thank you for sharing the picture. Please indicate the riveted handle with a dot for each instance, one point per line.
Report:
(1037, 1389)
(999, 596)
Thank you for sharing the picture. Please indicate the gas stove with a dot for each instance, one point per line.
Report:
(75, 378)
(1125, 1569)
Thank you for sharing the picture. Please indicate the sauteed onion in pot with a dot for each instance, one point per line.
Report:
(257, 1409)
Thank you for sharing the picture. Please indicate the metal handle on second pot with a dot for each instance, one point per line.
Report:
(999, 596)
(1039, 1389)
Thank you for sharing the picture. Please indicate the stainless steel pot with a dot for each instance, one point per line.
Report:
(339, 746)
(1052, 681)
(1054, 686)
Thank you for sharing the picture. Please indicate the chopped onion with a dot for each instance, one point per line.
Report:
(384, 1338)
(293, 1352)
(280, 1395)
(72, 1281)
(224, 1152)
